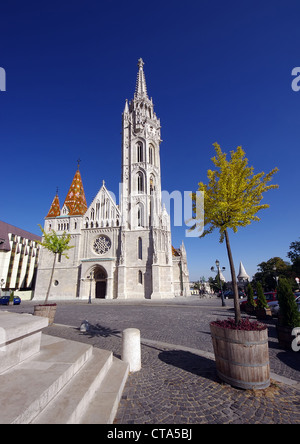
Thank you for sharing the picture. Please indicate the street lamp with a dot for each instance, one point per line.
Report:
(90, 277)
(219, 274)
(275, 272)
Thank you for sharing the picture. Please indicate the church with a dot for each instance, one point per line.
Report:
(120, 251)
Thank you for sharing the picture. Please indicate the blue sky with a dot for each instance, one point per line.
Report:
(217, 71)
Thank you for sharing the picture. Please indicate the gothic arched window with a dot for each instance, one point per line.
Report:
(140, 156)
(151, 154)
(140, 277)
(152, 184)
(140, 182)
(140, 248)
(97, 209)
(140, 215)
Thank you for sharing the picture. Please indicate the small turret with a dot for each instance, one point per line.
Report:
(55, 207)
(242, 276)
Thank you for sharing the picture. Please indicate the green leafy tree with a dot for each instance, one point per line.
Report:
(58, 245)
(294, 252)
(232, 199)
(288, 309)
(214, 283)
(270, 271)
(296, 271)
(294, 255)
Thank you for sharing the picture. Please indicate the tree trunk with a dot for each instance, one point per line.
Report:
(234, 283)
(51, 277)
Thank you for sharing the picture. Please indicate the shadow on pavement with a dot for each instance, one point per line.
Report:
(100, 330)
(290, 358)
(198, 365)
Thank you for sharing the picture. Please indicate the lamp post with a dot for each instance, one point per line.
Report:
(90, 277)
(219, 274)
(275, 272)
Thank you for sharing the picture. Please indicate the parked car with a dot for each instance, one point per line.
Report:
(271, 296)
(4, 300)
(229, 294)
(274, 305)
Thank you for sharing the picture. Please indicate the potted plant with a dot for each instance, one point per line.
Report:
(57, 245)
(250, 305)
(241, 353)
(231, 200)
(289, 316)
(262, 310)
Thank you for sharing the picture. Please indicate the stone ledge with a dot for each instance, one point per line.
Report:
(20, 337)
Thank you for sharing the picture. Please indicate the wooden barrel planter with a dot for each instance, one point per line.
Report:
(46, 311)
(242, 357)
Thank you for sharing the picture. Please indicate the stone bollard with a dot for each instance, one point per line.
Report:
(131, 348)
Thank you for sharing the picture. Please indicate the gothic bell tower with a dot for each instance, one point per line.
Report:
(141, 180)
(145, 228)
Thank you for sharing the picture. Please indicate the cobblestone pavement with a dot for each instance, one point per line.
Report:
(178, 383)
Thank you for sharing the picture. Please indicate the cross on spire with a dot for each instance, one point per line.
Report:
(141, 63)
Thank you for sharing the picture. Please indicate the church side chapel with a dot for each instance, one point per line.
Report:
(120, 251)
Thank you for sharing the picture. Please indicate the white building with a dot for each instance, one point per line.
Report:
(121, 251)
(19, 252)
(243, 277)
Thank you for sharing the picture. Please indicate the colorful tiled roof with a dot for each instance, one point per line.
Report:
(175, 252)
(75, 200)
(55, 208)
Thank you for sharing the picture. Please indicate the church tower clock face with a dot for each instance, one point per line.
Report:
(102, 244)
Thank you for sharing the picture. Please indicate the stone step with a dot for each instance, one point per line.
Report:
(20, 338)
(68, 406)
(103, 407)
(27, 388)
(67, 382)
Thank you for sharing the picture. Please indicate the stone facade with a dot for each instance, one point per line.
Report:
(120, 251)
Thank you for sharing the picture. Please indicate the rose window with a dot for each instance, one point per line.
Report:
(102, 244)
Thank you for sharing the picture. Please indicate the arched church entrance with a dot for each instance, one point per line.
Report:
(100, 277)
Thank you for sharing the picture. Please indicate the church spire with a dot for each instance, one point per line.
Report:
(75, 200)
(141, 88)
(55, 207)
